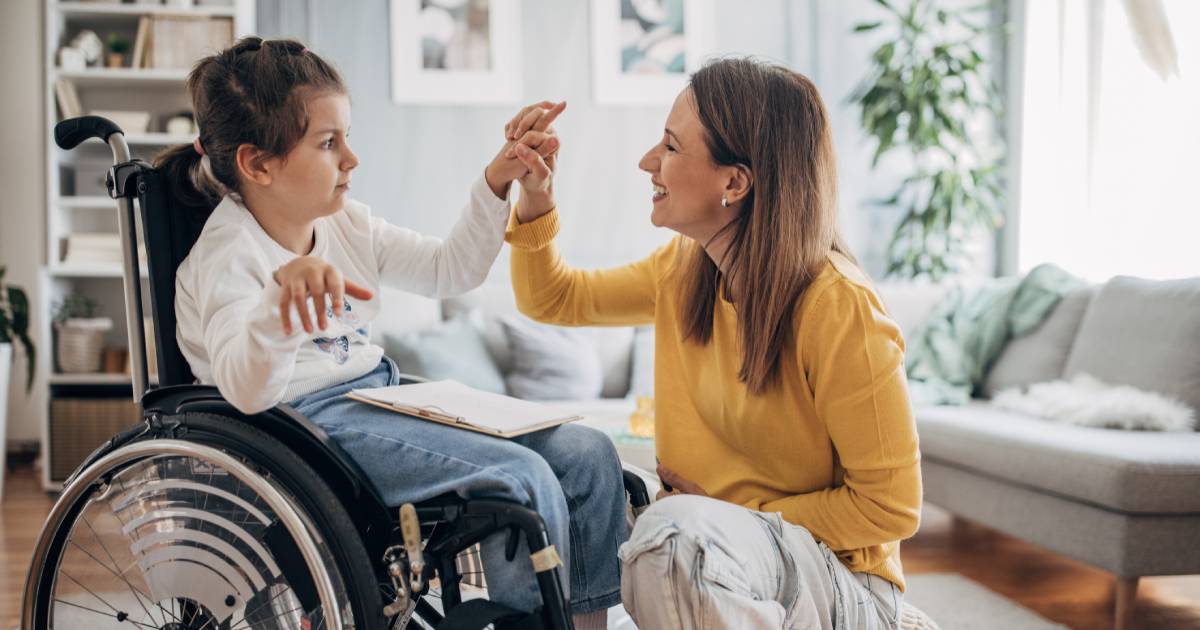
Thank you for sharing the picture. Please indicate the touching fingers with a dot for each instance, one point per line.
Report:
(547, 117)
(509, 129)
(534, 162)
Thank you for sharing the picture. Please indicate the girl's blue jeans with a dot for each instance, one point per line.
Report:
(569, 474)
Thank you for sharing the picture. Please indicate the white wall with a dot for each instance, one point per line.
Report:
(417, 161)
(22, 186)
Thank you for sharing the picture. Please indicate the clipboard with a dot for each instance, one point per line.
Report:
(453, 404)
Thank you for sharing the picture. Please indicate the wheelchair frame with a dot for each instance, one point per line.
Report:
(173, 233)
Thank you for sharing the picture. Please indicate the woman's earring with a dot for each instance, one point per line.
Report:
(724, 202)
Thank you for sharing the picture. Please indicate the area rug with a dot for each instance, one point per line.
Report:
(958, 603)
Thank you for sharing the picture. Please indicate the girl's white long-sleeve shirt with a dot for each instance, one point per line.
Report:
(227, 302)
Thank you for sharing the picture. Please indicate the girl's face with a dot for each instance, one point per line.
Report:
(314, 176)
(688, 185)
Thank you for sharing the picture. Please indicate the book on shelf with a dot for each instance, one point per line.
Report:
(176, 41)
(95, 248)
(137, 60)
(68, 98)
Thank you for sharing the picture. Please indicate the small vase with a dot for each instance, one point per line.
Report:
(116, 60)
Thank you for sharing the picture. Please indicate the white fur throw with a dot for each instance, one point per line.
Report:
(1088, 402)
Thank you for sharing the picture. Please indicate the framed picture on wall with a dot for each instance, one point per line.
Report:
(644, 50)
(465, 52)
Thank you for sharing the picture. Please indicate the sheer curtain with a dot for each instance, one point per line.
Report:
(1110, 158)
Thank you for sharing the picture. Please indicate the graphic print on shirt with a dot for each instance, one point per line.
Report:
(347, 317)
(338, 348)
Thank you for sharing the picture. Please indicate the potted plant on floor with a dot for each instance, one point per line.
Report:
(14, 326)
(80, 340)
(930, 94)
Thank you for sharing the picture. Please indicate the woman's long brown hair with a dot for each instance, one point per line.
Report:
(773, 121)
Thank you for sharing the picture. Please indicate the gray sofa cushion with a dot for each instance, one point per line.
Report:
(1128, 471)
(1142, 333)
(1040, 355)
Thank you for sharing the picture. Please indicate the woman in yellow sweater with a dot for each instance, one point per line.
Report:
(783, 422)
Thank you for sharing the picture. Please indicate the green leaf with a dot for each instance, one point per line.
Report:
(866, 26)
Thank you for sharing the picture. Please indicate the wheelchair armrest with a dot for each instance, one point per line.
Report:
(641, 485)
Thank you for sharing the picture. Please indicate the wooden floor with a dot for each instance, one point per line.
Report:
(1059, 589)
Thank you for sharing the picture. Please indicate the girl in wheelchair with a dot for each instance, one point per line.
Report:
(275, 302)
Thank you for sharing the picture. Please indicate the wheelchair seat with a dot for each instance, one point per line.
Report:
(201, 516)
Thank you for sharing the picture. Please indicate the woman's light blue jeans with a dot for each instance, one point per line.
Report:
(569, 474)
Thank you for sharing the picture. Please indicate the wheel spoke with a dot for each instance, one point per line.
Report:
(104, 614)
(121, 575)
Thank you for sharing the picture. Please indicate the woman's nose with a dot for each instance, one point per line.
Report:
(649, 162)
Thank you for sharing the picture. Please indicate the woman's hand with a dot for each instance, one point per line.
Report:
(526, 153)
(309, 276)
(678, 484)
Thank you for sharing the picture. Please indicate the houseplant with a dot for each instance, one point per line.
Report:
(80, 334)
(929, 95)
(14, 325)
(118, 46)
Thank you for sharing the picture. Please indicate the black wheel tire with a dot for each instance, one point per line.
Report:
(271, 458)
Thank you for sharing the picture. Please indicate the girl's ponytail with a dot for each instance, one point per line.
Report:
(192, 188)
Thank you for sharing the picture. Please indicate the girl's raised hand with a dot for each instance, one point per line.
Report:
(530, 128)
(309, 276)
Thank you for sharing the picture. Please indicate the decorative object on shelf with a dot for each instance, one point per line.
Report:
(88, 43)
(14, 326)
(456, 51)
(71, 59)
(181, 124)
(128, 121)
(928, 89)
(644, 50)
(115, 361)
(118, 46)
(641, 421)
(80, 334)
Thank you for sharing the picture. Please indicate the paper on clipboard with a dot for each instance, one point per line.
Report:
(451, 402)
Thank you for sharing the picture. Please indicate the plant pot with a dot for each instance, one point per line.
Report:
(116, 60)
(5, 369)
(80, 344)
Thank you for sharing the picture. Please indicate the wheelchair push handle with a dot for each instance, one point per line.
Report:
(69, 133)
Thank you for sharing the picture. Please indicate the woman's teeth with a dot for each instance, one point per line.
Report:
(659, 191)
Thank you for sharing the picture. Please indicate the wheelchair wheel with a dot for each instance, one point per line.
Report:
(222, 527)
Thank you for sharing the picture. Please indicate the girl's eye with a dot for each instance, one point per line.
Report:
(328, 144)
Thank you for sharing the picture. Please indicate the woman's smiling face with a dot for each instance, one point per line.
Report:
(688, 184)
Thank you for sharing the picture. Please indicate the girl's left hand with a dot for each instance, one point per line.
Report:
(678, 484)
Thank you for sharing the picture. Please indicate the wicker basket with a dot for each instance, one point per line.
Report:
(81, 343)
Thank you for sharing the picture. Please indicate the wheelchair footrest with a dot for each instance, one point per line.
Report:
(477, 614)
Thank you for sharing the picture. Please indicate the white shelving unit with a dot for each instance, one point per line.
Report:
(72, 209)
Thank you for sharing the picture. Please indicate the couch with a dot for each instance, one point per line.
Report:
(1127, 502)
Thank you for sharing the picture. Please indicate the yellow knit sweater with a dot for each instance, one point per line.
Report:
(832, 446)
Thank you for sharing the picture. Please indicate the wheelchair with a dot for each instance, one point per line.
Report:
(201, 517)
